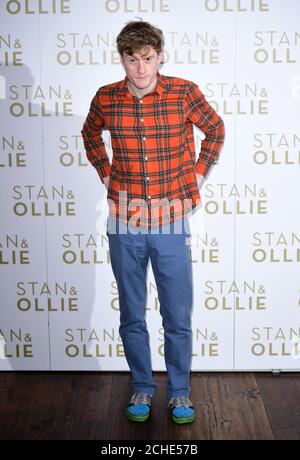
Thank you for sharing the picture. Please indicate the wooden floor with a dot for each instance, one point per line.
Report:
(91, 405)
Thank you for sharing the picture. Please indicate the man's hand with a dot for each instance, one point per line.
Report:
(200, 180)
(106, 181)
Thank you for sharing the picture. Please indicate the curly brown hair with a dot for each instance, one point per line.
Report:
(137, 35)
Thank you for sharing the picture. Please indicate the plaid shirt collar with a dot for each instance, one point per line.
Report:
(159, 89)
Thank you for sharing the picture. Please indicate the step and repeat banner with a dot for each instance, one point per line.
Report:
(59, 298)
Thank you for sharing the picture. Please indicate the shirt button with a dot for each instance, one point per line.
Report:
(149, 196)
(147, 178)
(144, 138)
(146, 158)
(141, 101)
(142, 119)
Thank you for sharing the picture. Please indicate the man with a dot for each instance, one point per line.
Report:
(153, 183)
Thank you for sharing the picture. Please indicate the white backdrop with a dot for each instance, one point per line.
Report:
(59, 300)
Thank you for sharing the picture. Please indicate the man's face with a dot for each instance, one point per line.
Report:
(142, 66)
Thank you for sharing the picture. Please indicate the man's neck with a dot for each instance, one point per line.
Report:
(141, 93)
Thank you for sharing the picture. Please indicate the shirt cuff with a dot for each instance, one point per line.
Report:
(202, 168)
(103, 171)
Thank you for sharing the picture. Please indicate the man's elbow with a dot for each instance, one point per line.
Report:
(221, 128)
(84, 131)
(221, 124)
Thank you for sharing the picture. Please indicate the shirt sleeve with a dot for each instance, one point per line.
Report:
(92, 139)
(202, 114)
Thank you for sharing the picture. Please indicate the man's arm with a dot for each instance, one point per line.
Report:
(93, 142)
(202, 114)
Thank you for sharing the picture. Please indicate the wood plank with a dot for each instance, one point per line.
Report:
(92, 406)
(281, 395)
(229, 406)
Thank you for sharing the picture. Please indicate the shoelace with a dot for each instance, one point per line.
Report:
(141, 398)
(183, 401)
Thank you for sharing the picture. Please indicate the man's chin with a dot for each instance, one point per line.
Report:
(142, 82)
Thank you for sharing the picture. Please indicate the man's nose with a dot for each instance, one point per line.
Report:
(141, 66)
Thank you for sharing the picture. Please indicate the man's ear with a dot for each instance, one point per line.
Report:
(161, 57)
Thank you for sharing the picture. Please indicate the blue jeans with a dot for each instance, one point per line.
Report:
(171, 265)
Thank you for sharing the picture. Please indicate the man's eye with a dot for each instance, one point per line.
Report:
(146, 59)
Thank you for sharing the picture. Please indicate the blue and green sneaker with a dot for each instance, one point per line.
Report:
(182, 409)
(139, 408)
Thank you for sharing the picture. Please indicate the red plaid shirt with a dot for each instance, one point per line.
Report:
(152, 175)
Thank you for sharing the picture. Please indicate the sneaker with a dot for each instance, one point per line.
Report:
(182, 409)
(139, 408)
